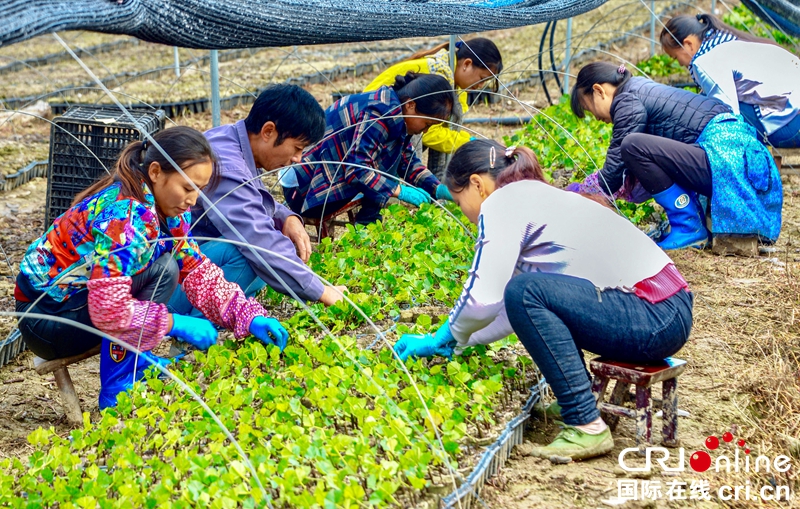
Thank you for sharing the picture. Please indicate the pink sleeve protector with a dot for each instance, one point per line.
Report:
(221, 301)
(114, 311)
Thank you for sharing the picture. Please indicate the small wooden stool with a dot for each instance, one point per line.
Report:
(643, 376)
(328, 222)
(72, 405)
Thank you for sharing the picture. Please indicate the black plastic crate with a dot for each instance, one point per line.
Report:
(85, 142)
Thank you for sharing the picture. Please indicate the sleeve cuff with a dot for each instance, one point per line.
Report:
(314, 290)
(282, 213)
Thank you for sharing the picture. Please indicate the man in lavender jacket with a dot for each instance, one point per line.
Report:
(282, 122)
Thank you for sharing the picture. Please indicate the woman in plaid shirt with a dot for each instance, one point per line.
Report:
(367, 149)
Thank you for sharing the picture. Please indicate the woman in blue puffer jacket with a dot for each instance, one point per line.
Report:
(671, 144)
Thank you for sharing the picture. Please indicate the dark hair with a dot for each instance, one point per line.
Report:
(295, 113)
(186, 146)
(482, 51)
(593, 74)
(677, 29)
(475, 157)
(432, 94)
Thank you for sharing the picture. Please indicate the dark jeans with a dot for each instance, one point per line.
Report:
(370, 211)
(556, 316)
(49, 339)
(658, 162)
(787, 136)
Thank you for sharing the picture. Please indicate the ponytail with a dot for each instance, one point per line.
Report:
(596, 73)
(504, 165)
(432, 94)
(702, 26)
(428, 52)
(522, 165)
(184, 145)
(483, 53)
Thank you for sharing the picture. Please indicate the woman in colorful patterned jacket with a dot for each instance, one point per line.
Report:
(114, 258)
(367, 141)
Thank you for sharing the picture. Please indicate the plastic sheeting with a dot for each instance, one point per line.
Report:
(221, 24)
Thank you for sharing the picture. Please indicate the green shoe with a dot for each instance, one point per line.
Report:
(575, 444)
(551, 411)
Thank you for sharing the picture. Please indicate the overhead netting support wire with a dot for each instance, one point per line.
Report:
(227, 24)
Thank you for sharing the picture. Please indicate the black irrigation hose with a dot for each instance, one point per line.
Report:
(552, 58)
(538, 78)
(517, 121)
(541, 69)
(551, 27)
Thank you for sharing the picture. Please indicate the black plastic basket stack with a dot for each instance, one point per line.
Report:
(85, 143)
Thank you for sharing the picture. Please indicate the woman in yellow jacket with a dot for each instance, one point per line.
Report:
(477, 61)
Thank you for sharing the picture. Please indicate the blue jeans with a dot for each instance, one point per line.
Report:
(235, 267)
(787, 136)
(556, 316)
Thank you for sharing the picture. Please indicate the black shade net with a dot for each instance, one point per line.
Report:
(223, 24)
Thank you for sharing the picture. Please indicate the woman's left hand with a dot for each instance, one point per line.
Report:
(269, 331)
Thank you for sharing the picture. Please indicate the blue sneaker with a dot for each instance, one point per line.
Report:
(116, 370)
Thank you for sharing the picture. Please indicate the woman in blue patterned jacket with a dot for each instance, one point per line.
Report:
(367, 142)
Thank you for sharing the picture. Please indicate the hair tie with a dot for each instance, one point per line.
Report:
(143, 153)
(492, 157)
(459, 43)
(510, 150)
(699, 18)
(621, 69)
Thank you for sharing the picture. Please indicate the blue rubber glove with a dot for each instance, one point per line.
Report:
(413, 195)
(426, 345)
(442, 193)
(444, 336)
(269, 331)
(198, 332)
